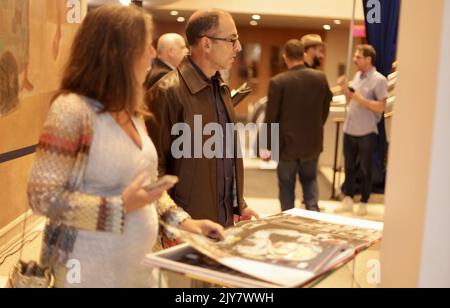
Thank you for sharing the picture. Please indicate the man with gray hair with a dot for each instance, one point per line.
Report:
(171, 49)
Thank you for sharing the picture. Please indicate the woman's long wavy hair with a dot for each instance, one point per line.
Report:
(103, 57)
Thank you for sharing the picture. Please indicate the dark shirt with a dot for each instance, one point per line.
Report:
(225, 166)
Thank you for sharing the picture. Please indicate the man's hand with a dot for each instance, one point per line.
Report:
(265, 155)
(358, 98)
(376, 106)
(342, 81)
(205, 227)
(247, 214)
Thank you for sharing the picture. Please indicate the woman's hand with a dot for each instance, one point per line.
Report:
(135, 197)
(205, 227)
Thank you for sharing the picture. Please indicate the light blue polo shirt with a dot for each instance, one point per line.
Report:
(361, 121)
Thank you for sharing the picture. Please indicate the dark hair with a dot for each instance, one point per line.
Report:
(102, 60)
(294, 50)
(200, 25)
(368, 51)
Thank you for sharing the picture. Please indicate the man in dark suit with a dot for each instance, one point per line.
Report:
(299, 100)
(171, 49)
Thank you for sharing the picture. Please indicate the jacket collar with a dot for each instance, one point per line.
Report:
(163, 63)
(369, 73)
(194, 78)
(297, 67)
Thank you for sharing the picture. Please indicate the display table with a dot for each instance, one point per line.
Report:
(294, 249)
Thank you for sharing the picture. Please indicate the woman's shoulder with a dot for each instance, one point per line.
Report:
(71, 110)
(75, 102)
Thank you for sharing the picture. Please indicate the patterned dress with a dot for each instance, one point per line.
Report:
(83, 163)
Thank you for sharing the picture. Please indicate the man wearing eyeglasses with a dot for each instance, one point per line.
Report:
(208, 188)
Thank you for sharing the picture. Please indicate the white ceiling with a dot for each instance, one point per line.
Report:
(311, 14)
(147, 3)
(341, 9)
(273, 21)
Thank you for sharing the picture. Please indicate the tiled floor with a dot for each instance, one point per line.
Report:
(261, 191)
(327, 172)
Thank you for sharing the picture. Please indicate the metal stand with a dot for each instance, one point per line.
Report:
(336, 169)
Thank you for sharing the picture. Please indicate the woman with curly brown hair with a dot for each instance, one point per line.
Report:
(95, 157)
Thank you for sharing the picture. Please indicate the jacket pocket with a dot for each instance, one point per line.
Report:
(183, 189)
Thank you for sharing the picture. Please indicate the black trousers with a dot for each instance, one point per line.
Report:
(362, 149)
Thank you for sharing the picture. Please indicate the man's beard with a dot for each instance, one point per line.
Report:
(316, 63)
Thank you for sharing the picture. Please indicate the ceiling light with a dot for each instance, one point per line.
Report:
(181, 19)
(256, 17)
(327, 27)
(253, 23)
(337, 22)
(125, 2)
(174, 13)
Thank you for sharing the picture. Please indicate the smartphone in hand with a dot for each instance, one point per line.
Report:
(164, 180)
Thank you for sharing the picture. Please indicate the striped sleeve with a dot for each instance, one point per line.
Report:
(170, 212)
(58, 169)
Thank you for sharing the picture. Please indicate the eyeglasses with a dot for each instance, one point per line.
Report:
(232, 40)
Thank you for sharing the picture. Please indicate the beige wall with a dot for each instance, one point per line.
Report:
(21, 127)
(415, 248)
(435, 265)
(337, 51)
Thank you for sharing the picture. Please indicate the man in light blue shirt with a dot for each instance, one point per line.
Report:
(367, 98)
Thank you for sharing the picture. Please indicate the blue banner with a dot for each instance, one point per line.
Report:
(382, 19)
